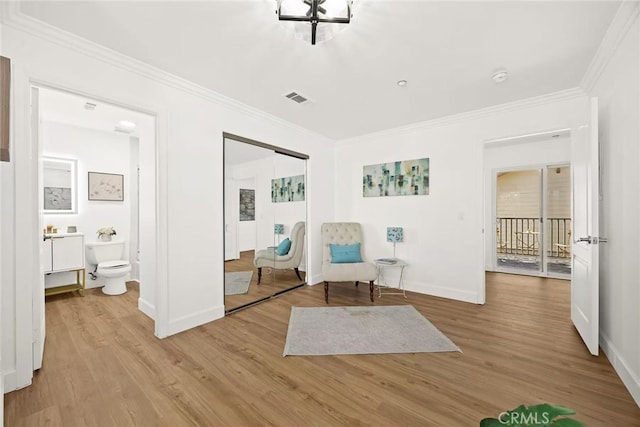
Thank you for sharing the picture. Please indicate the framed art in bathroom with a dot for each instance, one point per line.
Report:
(106, 186)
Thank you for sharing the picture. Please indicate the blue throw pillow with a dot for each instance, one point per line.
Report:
(343, 254)
(283, 247)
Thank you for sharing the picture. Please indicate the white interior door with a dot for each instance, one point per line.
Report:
(38, 290)
(231, 206)
(585, 209)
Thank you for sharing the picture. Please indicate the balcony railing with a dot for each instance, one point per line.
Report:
(521, 236)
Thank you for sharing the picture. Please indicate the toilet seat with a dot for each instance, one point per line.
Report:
(107, 265)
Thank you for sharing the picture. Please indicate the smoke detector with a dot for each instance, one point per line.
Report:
(500, 76)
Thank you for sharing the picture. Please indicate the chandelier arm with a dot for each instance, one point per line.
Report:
(314, 25)
(335, 20)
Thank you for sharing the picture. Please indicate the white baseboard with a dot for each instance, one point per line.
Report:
(10, 380)
(423, 288)
(438, 291)
(147, 308)
(629, 378)
(315, 280)
(196, 319)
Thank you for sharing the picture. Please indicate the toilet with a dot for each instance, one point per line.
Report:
(112, 270)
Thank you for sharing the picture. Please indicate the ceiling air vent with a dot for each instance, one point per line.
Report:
(296, 97)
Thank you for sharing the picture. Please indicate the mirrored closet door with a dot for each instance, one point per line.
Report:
(265, 221)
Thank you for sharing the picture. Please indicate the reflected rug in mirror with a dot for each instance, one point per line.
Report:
(315, 331)
(237, 282)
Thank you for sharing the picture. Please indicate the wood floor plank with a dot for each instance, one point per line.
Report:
(104, 367)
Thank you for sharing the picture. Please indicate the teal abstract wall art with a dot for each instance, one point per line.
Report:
(289, 189)
(401, 178)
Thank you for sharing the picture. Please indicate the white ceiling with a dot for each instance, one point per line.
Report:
(63, 107)
(446, 50)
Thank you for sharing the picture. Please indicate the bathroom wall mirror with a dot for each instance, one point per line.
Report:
(59, 185)
(265, 205)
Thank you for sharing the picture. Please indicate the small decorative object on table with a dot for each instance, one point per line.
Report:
(387, 260)
(278, 229)
(395, 235)
(105, 233)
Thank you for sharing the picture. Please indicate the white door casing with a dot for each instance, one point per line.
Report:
(585, 209)
(39, 330)
(231, 206)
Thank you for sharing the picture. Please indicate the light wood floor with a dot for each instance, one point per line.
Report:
(273, 281)
(104, 367)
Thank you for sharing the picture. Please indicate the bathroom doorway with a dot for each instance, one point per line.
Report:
(109, 185)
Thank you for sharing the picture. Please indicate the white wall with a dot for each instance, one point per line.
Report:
(134, 198)
(95, 151)
(190, 126)
(267, 212)
(443, 232)
(529, 154)
(618, 89)
(289, 213)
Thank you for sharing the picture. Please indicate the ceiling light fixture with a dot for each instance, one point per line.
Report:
(500, 76)
(322, 14)
(402, 83)
(125, 126)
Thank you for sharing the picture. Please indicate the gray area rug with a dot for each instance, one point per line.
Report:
(237, 282)
(315, 331)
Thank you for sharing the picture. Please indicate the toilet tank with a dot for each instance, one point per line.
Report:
(97, 252)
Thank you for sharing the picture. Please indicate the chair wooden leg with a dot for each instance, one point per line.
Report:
(357, 284)
(371, 290)
(297, 273)
(259, 274)
(326, 292)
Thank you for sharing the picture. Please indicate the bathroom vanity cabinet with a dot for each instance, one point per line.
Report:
(61, 253)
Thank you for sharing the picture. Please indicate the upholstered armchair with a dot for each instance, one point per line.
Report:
(292, 259)
(342, 256)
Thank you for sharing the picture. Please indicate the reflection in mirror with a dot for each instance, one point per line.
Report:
(265, 214)
(59, 185)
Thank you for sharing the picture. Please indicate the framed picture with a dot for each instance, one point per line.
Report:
(247, 205)
(289, 189)
(401, 178)
(106, 186)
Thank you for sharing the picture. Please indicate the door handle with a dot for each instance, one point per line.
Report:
(592, 240)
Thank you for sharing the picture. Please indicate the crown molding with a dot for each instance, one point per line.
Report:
(564, 95)
(11, 16)
(620, 25)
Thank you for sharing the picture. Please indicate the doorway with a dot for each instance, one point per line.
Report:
(264, 222)
(528, 220)
(533, 220)
(97, 139)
